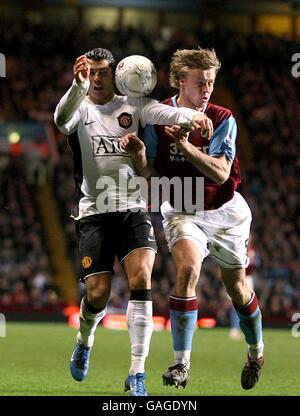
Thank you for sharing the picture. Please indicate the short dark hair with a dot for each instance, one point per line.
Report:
(98, 54)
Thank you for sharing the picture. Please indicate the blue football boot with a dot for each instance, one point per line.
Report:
(80, 360)
(136, 384)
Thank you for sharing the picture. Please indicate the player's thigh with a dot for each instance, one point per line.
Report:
(229, 242)
(136, 248)
(180, 227)
(135, 232)
(188, 258)
(95, 247)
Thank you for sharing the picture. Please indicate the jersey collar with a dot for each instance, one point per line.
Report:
(174, 102)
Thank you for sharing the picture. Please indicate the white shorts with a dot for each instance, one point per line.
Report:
(222, 233)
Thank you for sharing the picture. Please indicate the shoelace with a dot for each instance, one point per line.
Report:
(82, 356)
(254, 364)
(138, 386)
(179, 367)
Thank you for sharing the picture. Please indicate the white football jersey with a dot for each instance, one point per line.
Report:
(102, 167)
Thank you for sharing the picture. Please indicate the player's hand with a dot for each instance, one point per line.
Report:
(132, 144)
(81, 69)
(179, 134)
(202, 122)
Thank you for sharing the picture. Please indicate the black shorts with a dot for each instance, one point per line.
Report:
(104, 236)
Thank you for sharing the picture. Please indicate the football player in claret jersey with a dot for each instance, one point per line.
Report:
(221, 230)
(95, 119)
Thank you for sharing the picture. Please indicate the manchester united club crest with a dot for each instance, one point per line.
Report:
(125, 120)
(86, 262)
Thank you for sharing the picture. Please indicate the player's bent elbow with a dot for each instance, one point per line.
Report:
(222, 178)
(59, 121)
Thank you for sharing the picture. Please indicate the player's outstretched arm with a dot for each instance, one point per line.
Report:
(136, 148)
(154, 112)
(66, 115)
(215, 168)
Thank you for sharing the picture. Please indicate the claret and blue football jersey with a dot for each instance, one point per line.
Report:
(170, 162)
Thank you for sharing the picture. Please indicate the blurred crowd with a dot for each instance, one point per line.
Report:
(257, 69)
(25, 271)
(269, 101)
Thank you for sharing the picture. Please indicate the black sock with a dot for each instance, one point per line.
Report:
(143, 294)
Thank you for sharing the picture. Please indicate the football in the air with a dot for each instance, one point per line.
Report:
(135, 76)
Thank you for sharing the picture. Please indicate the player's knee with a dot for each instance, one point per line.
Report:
(187, 277)
(239, 292)
(98, 289)
(98, 296)
(140, 279)
(187, 274)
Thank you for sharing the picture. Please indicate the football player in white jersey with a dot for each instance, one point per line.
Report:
(109, 223)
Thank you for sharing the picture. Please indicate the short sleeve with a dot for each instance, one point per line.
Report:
(223, 141)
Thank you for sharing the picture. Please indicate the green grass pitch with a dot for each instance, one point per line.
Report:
(35, 362)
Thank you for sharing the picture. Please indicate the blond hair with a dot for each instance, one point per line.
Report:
(185, 59)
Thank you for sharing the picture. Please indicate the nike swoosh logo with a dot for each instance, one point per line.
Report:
(90, 122)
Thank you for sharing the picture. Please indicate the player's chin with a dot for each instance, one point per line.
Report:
(98, 95)
(98, 91)
(203, 101)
